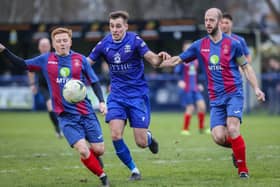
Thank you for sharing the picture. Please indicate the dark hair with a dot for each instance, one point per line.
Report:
(119, 14)
(227, 16)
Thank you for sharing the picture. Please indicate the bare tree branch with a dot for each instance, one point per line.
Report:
(274, 10)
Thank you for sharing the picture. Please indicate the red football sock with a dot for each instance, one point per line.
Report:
(228, 142)
(239, 151)
(187, 120)
(201, 117)
(92, 164)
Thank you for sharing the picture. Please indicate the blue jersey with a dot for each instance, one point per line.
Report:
(125, 59)
(220, 62)
(243, 44)
(57, 70)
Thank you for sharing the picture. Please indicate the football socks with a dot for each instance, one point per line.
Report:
(187, 120)
(92, 164)
(124, 154)
(239, 150)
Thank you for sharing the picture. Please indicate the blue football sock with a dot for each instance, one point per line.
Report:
(123, 153)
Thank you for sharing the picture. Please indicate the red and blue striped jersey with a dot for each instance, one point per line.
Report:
(188, 72)
(57, 70)
(220, 63)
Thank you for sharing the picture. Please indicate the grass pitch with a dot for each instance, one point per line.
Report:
(31, 155)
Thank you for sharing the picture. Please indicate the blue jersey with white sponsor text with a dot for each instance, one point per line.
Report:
(125, 59)
(220, 63)
(57, 70)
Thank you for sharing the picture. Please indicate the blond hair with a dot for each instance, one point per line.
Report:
(60, 30)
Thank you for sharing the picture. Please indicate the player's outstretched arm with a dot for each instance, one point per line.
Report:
(98, 92)
(171, 62)
(91, 62)
(17, 61)
(251, 77)
(156, 59)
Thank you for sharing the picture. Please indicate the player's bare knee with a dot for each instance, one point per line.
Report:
(219, 139)
(99, 150)
(82, 148)
(233, 130)
(116, 136)
(141, 143)
(83, 151)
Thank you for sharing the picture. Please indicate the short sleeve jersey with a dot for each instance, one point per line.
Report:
(220, 63)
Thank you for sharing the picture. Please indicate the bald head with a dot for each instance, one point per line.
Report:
(214, 12)
(44, 45)
(212, 20)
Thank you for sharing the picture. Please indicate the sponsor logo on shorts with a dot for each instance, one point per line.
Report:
(236, 111)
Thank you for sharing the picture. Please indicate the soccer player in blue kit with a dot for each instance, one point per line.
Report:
(226, 27)
(128, 100)
(77, 121)
(221, 55)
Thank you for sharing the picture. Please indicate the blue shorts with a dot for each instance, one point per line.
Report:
(76, 127)
(233, 107)
(136, 110)
(191, 97)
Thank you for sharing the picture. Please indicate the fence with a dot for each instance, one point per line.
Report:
(164, 94)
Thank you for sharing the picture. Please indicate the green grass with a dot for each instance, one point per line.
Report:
(31, 155)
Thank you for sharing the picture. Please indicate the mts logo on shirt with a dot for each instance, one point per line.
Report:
(214, 63)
